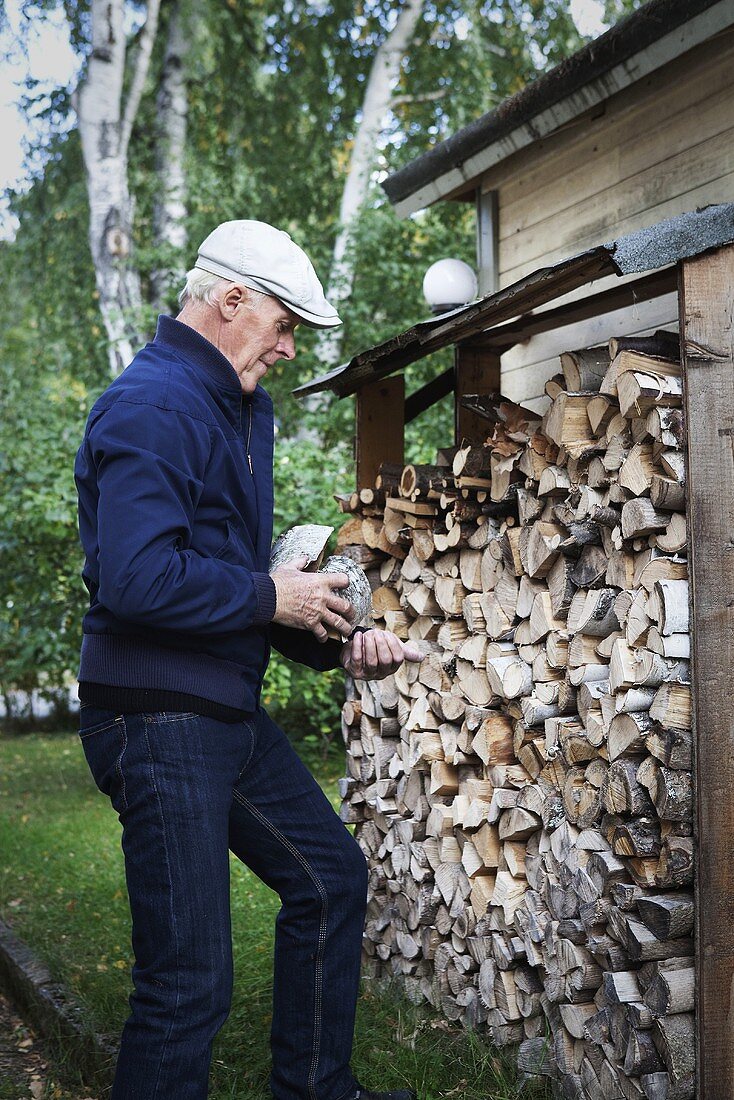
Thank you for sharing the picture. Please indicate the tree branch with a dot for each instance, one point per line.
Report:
(423, 97)
(142, 64)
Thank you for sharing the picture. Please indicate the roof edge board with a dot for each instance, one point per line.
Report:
(682, 38)
(645, 250)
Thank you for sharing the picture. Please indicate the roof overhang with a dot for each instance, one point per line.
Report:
(506, 317)
(650, 38)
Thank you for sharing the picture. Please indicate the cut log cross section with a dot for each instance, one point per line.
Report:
(524, 793)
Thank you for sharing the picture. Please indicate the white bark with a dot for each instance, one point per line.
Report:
(140, 72)
(105, 126)
(169, 211)
(378, 99)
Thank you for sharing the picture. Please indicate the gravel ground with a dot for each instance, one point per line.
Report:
(26, 1071)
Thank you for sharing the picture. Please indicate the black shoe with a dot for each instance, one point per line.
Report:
(400, 1094)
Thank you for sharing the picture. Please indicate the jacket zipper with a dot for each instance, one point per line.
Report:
(249, 433)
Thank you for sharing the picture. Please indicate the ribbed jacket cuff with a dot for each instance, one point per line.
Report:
(265, 592)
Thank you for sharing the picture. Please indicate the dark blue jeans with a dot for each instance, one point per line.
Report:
(187, 789)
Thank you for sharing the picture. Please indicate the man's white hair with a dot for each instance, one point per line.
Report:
(202, 286)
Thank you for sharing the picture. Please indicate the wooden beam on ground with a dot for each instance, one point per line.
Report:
(380, 427)
(707, 343)
(475, 371)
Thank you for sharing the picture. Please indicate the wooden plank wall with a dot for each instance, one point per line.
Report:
(661, 147)
(527, 367)
(707, 306)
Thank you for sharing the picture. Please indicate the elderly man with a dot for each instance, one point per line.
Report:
(175, 489)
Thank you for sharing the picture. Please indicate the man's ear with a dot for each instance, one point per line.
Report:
(233, 298)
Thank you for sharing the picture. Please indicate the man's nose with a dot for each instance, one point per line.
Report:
(287, 346)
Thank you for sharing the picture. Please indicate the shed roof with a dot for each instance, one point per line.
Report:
(657, 33)
(508, 316)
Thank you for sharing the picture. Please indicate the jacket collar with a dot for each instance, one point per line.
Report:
(195, 348)
(219, 376)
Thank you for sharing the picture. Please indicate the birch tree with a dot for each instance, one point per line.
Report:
(378, 100)
(169, 209)
(105, 120)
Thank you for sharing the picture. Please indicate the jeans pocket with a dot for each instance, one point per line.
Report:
(103, 735)
(96, 719)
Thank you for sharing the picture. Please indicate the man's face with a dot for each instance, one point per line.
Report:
(258, 337)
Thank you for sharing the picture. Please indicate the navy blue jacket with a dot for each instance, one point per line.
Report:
(175, 483)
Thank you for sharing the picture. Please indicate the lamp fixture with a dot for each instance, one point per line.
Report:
(448, 284)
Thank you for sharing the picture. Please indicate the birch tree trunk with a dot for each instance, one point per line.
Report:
(378, 96)
(169, 212)
(105, 126)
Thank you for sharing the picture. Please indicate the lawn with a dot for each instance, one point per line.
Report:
(62, 888)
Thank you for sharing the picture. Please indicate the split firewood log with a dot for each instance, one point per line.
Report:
(584, 370)
(674, 1038)
(675, 536)
(665, 425)
(567, 423)
(639, 391)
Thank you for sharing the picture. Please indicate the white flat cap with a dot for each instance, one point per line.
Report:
(266, 259)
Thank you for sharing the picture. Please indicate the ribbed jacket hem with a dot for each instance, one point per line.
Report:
(125, 661)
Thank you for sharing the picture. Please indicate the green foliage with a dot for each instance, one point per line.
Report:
(42, 605)
(304, 703)
(52, 357)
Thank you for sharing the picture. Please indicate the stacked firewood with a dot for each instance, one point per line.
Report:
(523, 794)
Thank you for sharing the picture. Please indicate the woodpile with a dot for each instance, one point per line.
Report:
(523, 794)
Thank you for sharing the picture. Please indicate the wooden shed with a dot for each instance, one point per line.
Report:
(538, 799)
(633, 129)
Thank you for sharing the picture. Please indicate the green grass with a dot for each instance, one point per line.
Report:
(62, 887)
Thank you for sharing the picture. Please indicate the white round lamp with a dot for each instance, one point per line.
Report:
(448, 284)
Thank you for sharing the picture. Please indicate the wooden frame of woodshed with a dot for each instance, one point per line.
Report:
(694, 254)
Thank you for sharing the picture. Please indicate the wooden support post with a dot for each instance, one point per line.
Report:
(476, 370)
(707, 342)
(380, 428)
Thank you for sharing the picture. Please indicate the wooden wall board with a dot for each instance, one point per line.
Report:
(380, 427)
(626, 163)
(707, 337)
(672, 109)
(719, 190)
(527, 367)
(538, 405)
(619, 206)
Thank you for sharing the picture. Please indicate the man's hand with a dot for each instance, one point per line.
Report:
(309, 601)
(375, 654)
